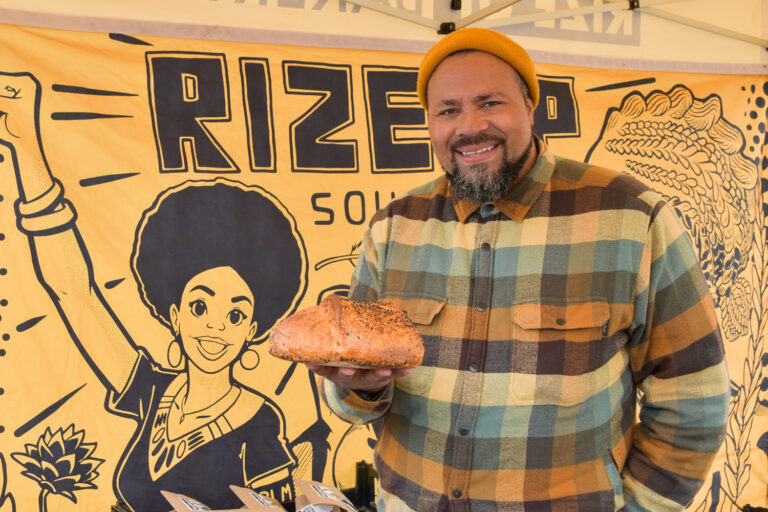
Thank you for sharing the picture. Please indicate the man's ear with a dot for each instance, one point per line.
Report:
(174, 313)
(529, 108)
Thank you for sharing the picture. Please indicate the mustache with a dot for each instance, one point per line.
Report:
(475, 139)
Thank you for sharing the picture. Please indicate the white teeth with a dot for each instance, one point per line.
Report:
(483, 150)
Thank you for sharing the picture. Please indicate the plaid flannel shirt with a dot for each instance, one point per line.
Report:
(548, 318)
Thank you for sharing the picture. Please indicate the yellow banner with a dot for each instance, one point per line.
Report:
(174, 158)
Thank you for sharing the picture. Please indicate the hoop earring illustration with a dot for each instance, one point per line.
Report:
(175, 356)
(249, 359)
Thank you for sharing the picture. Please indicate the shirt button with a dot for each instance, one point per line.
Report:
(464, 431)
(456, 493)
(473, 368)
(481, 307)
(486, 246)
(560, 321)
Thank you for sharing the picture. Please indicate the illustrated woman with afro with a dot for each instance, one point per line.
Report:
(218, 263)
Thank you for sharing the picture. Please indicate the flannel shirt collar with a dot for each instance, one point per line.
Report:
(518, 201)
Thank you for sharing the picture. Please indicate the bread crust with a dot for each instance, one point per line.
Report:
(343, 332)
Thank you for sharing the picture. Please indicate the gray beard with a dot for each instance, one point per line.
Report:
(486, 188)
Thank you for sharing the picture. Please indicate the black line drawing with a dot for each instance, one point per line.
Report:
(45, 413)
(7, 501)
(61, 463)
(218, 263)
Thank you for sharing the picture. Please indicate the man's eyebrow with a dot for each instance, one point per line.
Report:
(205, 289)
(481, 97)
(488, 96)
(241, 298)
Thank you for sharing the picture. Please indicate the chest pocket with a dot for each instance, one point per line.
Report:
(552, 350)
(424, 312)
(576, 320)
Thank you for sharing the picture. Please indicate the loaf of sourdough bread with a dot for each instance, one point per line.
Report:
(343, 332)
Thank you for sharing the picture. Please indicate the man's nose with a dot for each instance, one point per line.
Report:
(472, 122)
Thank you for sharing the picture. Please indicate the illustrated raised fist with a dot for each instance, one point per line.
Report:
(19, 107)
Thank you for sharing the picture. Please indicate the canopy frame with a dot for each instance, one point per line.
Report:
(478, 18)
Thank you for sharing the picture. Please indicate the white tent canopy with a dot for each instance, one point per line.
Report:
(686, 35)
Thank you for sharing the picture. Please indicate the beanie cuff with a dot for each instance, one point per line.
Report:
(484, 40)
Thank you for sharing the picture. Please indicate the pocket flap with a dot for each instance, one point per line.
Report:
(420, 310)
(574, 315)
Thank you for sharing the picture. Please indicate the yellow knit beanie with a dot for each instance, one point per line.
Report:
(484, 40)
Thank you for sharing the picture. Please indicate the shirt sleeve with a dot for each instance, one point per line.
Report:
(134, 400)
(345, 403)
(678, 364)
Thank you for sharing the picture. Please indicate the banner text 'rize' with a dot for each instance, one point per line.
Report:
(189, 91)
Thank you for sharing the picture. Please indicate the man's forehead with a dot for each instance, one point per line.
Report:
(457, 71)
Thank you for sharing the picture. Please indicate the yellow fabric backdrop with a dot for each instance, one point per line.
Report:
(329, 135)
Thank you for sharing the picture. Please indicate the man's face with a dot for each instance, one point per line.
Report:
(480, 124)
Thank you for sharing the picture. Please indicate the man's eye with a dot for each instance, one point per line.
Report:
(447, 112)
(198, 307)
(236, 317)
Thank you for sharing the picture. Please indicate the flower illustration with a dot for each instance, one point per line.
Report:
(60, 462)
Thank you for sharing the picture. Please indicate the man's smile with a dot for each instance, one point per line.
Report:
(473, 152)
(478, 153)
(476, 150)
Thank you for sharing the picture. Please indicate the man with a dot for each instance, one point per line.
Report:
(550, 294)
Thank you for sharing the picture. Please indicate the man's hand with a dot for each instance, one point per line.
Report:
(368, 380)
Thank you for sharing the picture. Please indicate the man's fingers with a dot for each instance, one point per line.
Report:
(335, 373)
(323, 371)
(360, 379)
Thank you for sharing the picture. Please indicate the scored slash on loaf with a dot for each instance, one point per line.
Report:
(343, 332)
